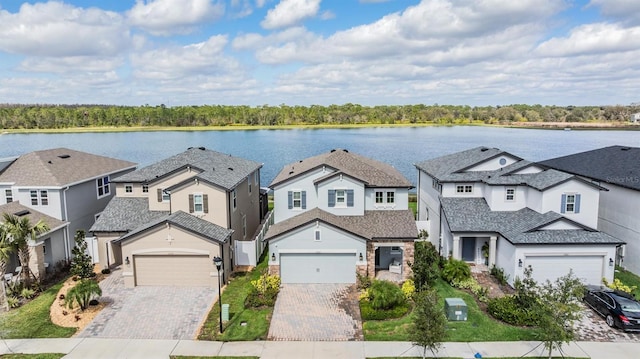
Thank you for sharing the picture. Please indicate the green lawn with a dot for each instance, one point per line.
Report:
(187, 357)
(478, 327)
(33, 356)
(32, 319)
(629, 279)
(256, 320)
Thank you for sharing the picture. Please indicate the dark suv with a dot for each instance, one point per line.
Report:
(619, 309)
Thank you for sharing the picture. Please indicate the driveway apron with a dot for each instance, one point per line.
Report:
(316, 312)
(149, 312)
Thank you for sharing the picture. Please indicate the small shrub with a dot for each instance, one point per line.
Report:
(425, 265)
(456, 270)
(368, 313)
(498, 274)
(508, 310)
(618, 285)
(82, 293)
(364, 295)
(472, 285)
(106, 271)
(362, 281)
(408, 288)
(264, 291)
(385, 295)
(266, 282)
(13, 302)
(27, 293)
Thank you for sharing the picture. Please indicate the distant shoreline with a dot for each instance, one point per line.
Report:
(624, 126)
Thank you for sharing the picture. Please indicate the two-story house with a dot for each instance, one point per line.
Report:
(64, 184)
(338, 213)
(170, 219)
(487, 206)
(618, 169)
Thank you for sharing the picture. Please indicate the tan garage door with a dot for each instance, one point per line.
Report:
(177, 270)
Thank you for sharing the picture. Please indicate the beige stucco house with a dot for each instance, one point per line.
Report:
(170, 219)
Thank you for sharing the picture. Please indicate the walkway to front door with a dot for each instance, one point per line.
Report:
(316, 312)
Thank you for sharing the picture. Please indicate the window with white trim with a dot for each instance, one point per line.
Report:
(145, 188)
(316, 235)
(166, 196)
(570, 205)
(464, 188)
(256, 178)
(198, 206)
(297, 199)
(510, 194)
(8, 195)
(39, 197)
(244, 226)
(128, 188)
(391, 197)
(379, 197)
(341, 197)
(44, 198)
(34, 197)
(103, 186)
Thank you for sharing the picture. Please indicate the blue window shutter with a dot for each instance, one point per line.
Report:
(332, 198)
(290, 197)
(576, 208)
(304, 199)
(349, 198)
(563, 203)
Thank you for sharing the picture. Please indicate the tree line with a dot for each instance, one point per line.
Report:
(14, 116)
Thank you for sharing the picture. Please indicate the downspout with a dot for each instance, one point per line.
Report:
(229, 209)
(67, 253)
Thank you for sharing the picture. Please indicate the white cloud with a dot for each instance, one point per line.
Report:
(593, 39)
(71, 65)
(165, 17)
(627, 11)
(56, 29)
(289, 13)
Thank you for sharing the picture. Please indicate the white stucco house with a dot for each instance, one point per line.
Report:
(337, 213)
(522, 214)
(617, 168)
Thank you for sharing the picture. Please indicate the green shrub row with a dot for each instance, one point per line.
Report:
(369, 313)
(471, 284)
(508, 310)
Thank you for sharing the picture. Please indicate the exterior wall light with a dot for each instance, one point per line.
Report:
(127, 261)
(360, 257)
(519, 263)
(273, 257)
(610, 262)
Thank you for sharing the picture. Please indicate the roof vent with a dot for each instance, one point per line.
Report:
(625, 148)
(347, 151)
(484, 149)
(201, 148)
(332, 151)
(290, 172)
(300, 161)
(49, 162)
(64, 156)
(230, 169)
(24, 212)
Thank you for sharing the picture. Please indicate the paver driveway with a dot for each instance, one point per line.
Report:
(149, 312)
(592, 327)
(316, 312)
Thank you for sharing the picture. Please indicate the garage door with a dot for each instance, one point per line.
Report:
(587, 268)
(174, 270)
(318, 267)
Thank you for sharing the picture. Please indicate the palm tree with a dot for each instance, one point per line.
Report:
(6, 249)
(20, 231)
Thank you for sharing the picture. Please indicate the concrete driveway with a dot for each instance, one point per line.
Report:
(316, 312)
(149, 312)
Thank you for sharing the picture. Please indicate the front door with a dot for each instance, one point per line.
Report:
(468, 249)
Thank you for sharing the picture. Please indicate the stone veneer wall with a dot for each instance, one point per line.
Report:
(371, 260)
(36, 261)
(274, 269)
(409, 248)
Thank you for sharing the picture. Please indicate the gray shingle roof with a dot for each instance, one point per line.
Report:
(451, 168)
(187, 222)
(60, 167)
(618, 165)
(518, 227)
(374, 225)
(373, 173)
(218, 168)
(34, 216)
(124, 214)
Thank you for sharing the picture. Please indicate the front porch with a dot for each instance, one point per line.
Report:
(390, 260)
(479, 249)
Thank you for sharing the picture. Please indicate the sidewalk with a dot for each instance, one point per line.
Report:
(94, 348)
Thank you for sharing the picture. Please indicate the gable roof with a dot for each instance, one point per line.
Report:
(60, 167)
(124, 214)
(518, 227)
(187, 222)
(17, 209)
(217, 168)
(619, 165)
(373, 173)
(451, 168)
(374, 225)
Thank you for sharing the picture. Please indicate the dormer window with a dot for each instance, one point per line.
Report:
(341, 198)
(570, 203)
(510, 194)
(102, 185)
(128, 188)
(464, 188)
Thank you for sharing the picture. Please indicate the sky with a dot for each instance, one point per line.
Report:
(320, 52)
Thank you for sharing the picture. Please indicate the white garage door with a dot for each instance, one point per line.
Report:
(174, 270)
(318, 267)
(588, 268)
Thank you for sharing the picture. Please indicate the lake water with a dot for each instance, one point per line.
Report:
(400, 147)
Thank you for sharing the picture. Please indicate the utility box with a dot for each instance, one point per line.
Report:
(455, 309)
